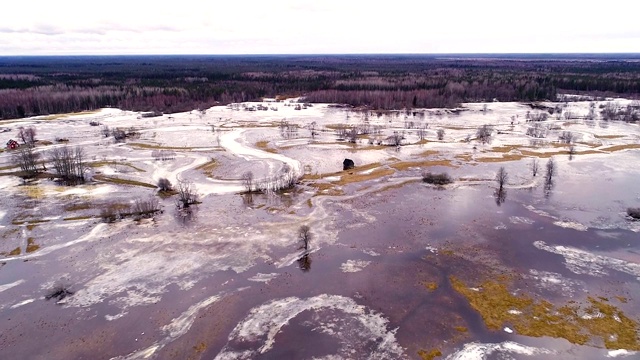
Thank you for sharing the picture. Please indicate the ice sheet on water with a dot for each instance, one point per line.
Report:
(366, 330)
(583, 262)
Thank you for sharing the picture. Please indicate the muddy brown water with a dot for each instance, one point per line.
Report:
(463, 224)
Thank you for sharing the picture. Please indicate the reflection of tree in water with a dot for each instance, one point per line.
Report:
(247, 199)
(305, 263)
(548, 186)
(186, 216)
(500, 196)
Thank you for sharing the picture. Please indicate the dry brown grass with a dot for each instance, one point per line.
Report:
(340, 173)
(355, 177)
(404, 165)
(160, 147)
(96, 164)
(428, 153)
(608, 136)
(621, 147)
(264, 145)
(208, 167)
(119, 181)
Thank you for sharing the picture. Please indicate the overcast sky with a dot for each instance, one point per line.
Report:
(56, 27)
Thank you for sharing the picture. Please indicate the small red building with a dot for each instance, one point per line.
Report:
(12, 144)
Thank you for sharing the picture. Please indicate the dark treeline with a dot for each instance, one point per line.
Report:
(48, 85)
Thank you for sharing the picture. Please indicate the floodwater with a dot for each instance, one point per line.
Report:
(379, 288)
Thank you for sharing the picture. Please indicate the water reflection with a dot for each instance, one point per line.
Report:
(548, 186)
(500, 196)
(186, 216)
(247, 199)
(305, 263)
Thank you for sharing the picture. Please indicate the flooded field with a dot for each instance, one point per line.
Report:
(394, 268)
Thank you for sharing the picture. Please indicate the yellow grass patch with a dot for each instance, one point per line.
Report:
(208, 167)
(404, 165)
(113, 163)
(264, 145)
(350, 177)
(59, 116)
(621, 147)
(537, 317)
(119, 181)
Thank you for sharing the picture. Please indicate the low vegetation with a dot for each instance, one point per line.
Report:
(436, 179)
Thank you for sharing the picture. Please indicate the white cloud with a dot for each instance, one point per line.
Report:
(329, 26)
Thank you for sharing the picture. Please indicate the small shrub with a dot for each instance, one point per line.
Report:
(634, 213)
(164, 185)
(437, 179)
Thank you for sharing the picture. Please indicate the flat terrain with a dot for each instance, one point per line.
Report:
(395, 268)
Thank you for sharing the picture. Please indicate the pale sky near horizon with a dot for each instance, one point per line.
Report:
(72, 27)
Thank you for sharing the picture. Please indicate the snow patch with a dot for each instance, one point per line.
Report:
(367, 330)
(478, 351)
(354, 265)
(8, 286)
(571, 225)
(265, 278)
(583, 262)
(22, 303)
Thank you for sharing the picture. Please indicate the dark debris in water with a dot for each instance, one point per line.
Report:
(58, 293)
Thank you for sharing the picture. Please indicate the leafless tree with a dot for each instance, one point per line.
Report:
(304, 236)
(146, 207)
(483, 134)
(396, 138)
(312, 128)
(119, 134)
(566, 137)
(551, 170)
(164, 185)
(422, 133)
(501, 178)
(28, 135)
(440, 133)
(106, 132)
(187, 194)
(69, 164)
(572, 152)
(352, 135)
(26, 158)
(247, 181)
(535, 166)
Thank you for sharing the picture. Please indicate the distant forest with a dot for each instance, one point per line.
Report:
(48, 85)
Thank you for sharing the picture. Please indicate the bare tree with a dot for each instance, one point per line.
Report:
(69, 164)
(304, 236)
(247, 181)
(572, 152)
(551, 171)
(501, 178)
(422, 133)
(312, 128)
(535, 166)
(146, 208)
(28, 135)
(440, 133)
(164, 185)
(106, 132)
(396, 138)
(566, 137)
(483, 134)
(26, 159)
(187, 194)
